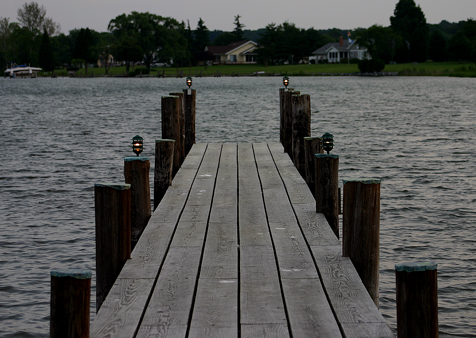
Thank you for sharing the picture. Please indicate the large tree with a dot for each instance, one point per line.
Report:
(33, 17)
(409, 21)
(380, 42)
(155, 36)
(46, 58)
(85, 47)
(438, 51)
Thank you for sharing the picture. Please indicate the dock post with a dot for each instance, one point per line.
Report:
(326, 188)
(171, 126)
(312, 146)
(301, 128)
(113, 234)
(70, 303)
(181, 144)
(189, 110)
(361, 230)
(288, 121)
(417, 300)
(164, 156)
(136, 173)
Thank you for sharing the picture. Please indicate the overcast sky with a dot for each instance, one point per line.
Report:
(219, 14)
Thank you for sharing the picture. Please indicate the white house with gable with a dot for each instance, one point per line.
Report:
(334, 52)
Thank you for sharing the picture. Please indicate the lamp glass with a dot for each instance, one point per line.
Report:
(137, 144)
(327, 142)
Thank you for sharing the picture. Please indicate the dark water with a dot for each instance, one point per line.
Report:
(60, 136)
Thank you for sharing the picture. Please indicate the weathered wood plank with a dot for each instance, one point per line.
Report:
(347, 294)
(216, 309)
(121, 311)
(309, 312)
(265, 330)
(260, 292)
(171, 301)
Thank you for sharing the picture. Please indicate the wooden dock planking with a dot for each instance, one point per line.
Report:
(235, 248)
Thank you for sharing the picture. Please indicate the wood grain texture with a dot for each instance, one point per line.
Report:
(120, 313)
(347, 294)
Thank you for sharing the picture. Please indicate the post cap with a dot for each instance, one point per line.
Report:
(363, 180)
(415, 266)
(136, 158)
(117, 186)
(326, 156)
(164, 140)
(74, 273)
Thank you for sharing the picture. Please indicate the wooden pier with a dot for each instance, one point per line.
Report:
(236, 249)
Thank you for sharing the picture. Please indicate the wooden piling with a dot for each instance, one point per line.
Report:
(113, 234)
(301, 129)
(171, 128)
(189, 112)
(70, 303)
(181, 144)
(312, 146)
(417, 300)
(326, 188)
(164, 154)
(361, 230)
(288, 121)
(136, 173)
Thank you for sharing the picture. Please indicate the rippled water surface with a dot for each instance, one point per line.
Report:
(60, 136)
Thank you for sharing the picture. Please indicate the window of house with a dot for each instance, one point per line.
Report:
(233, 58)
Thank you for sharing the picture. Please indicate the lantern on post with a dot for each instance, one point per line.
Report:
(327, 142)
(137, 144)
(189, 84)
(286, 82)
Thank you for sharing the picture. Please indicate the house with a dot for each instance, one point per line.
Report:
(335, 51)
(241, 52)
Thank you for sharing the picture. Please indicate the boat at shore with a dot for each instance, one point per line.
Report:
(21, 71)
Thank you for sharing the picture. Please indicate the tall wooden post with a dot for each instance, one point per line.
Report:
(361, 230)
(136, 173)
(281, 114)
(171, 126)
(181, 144)
(326, 191)
(189, 109)
(312, 146)
(113, 234)
(70, 303)
(164, 156)
(288, 121)
(301, 129)
(417, 300)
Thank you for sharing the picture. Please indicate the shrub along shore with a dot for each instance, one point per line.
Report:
(459, 69)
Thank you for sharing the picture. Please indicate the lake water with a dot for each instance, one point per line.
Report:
(60, 136)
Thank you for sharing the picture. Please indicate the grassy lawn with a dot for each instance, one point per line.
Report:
(462, 69)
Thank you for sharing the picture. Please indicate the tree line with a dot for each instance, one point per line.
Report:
(144, 37)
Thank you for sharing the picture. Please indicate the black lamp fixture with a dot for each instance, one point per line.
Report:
(189, 84)
(327, 142)
(137, 144)
(286, 82)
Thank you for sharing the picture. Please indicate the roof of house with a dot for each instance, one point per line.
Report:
(340, 48)
(223, 50)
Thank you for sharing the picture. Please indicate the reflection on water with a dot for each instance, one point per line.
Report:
(60, 136)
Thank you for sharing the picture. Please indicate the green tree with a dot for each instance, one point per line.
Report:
(409, 21)
(460, 48)
(379, 41)
(202, 36)
(85, 47)
(238, 31)
(5, 32)
(46, 58)
(157, 37)
(33, 17)
(438, 51)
